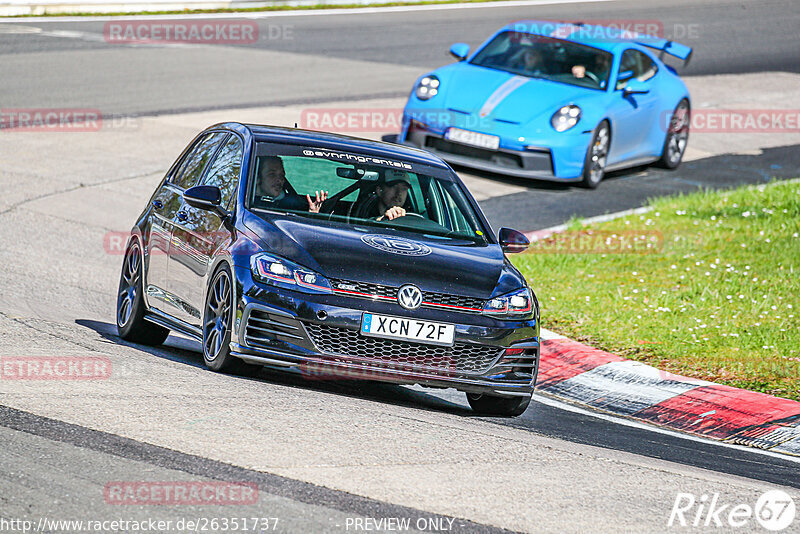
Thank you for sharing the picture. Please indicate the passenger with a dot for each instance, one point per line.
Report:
(530, 60)
(272, 184)
(602, 68)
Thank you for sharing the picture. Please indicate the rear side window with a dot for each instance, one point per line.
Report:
(192, 167)
(224, 172)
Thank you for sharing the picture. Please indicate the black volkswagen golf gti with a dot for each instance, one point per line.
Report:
(337, 256)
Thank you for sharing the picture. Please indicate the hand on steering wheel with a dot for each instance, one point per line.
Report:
(393, 213)
(397, 212)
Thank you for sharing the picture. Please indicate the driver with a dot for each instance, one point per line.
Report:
(272, 183)
(598, 74)
(392, 193)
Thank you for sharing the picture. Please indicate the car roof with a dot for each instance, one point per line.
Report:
(606, 38)
(280, 134)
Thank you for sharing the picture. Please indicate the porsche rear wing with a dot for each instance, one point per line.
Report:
(667, 47)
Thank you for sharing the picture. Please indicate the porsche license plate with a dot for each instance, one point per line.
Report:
(407, 329)
(473, 138)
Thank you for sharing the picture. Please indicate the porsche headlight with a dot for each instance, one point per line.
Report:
(279, 271)
(518, 303)
(566, 117)
(427, 88)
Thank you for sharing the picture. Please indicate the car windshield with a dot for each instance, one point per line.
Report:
(361, 189)
(553, 59)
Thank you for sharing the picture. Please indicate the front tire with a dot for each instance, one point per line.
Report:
(499, 406)
(131, 324)
(677, 136)
(594, 164)
(217, 319)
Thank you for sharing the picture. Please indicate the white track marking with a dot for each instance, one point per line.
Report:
(554, 403)
(304, 12)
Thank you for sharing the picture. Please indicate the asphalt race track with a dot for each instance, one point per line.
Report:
(321, 453)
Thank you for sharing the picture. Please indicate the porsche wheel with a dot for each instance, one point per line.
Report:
(677, 136)
(131, 324)
(594, 165)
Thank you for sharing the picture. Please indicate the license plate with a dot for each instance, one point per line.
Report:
(472, 138)
(407, 329)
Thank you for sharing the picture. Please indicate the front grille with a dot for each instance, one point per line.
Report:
(460, 358)
(500, 158)
(429, 299)
(364, 288)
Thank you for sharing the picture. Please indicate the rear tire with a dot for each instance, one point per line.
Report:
(217, 320)
(131, 324)
(594, 164)
(500, 406)
(677, 136)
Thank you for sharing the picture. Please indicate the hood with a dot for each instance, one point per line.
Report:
(506, 97)
(338, 251)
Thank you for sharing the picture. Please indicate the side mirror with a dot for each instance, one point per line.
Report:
(460, 51)
(512, 241)
(204, 197)
(624, 76)
(208, 197)
(635, 87)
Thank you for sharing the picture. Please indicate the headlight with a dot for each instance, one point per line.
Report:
(427, 88)
(278, 271)
(566, 117)
(519, 303)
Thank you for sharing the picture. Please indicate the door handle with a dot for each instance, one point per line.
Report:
(157, 204)
(182, 216)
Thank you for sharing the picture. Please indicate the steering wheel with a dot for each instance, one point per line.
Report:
(592, 76)
(412, 214)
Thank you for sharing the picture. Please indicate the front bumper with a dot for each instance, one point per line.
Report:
(319, 335)
(556, 157)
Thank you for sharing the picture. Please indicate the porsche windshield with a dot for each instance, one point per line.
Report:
(553, 59)
(365, 192)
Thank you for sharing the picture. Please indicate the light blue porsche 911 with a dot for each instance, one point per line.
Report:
(554, 101)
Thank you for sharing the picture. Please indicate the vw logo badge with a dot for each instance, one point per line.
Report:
(396, 245)
(409, 297)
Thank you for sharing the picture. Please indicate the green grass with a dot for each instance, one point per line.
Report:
(256, 9)
(717, 298)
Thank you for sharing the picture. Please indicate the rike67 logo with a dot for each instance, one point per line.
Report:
(774, 510)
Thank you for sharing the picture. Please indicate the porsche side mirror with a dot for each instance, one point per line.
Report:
(624, 76)
(513, 241)
(460, 51)
(635, 87)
